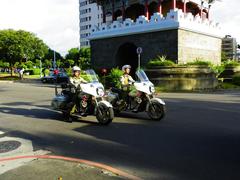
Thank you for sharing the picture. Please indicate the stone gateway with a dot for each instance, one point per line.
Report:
(180, 30)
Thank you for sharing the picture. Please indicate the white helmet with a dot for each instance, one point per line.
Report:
(76, 68)
(126, 67)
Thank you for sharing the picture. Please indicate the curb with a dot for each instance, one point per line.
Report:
(83, 161)
(6, 81)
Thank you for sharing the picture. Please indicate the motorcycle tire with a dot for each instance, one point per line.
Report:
(104, 114)
(156, 111)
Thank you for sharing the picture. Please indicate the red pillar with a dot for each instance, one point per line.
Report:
(113, 17)
(104, 14)
(146, 9)
(185, 6)
(160, 6)
(123, 10)
(103, 11)
(174, 4)
(201, 11)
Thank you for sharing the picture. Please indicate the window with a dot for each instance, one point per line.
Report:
(84, 3)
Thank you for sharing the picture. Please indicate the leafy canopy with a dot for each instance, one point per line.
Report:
(20, 45)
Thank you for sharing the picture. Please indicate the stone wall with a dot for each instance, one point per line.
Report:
(192, 46)
(179, 45)
(104, 51)
(183, 78)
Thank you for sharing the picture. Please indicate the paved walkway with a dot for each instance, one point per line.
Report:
(18, 160)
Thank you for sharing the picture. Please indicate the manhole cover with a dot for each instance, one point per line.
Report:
(7, 146)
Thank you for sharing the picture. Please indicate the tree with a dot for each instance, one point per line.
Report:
(69, 63)
(73, 54)
(50, 55)
(37, 63)
(29, 64)
(85, 58)
(59, 63)
(80, 57)
(20, 45)
(47, 63)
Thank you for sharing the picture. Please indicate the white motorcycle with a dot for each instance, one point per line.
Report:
(89, 100)
(144, 101)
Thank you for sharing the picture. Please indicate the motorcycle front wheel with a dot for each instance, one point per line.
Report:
(104, 114)
(156, 111)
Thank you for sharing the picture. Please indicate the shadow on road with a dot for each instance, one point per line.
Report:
(197, 140)
(37, 113)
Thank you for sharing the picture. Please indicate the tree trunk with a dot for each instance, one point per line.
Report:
(11, 71)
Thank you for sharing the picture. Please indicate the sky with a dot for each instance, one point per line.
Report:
(57, 21)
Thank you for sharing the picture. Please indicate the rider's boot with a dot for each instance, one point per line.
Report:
(138, 102)
(71, 110)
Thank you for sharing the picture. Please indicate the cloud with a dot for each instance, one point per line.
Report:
(54, 21)
(228, 15)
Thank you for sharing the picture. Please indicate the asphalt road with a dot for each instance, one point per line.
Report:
(198, 139)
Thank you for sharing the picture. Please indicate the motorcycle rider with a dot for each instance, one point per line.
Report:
(127, 81)
(75, 80)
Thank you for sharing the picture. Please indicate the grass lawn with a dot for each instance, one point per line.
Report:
(4, 76)
(31, 77)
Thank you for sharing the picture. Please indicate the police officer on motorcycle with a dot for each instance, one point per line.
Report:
(127, 86)
(75, 80)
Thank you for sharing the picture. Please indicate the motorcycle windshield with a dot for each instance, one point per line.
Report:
(142, 76)
(91, 76)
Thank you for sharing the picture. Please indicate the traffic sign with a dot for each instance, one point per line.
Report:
(139, 50)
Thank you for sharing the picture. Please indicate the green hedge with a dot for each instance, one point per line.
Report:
(160, 61)
(231, 64)
(236, 80)
(113, 79)
(35, 71)
(199, 63)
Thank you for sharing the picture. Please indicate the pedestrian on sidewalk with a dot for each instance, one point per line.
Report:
(21, 71)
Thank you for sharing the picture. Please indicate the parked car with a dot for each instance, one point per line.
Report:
(61, 77)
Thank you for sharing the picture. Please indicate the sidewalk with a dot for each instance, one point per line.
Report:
(50, 169)
(19, 161)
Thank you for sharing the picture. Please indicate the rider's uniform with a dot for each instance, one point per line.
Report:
(126, 81)
(76, 81)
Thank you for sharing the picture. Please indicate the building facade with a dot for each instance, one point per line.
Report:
(90, 15)
(182, 30)
(229, 47)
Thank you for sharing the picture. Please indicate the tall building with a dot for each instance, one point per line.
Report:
(90, 16)
(229, 47)
(181, 30)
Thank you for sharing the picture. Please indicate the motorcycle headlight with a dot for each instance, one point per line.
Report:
(152, 89)
(100, 92)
